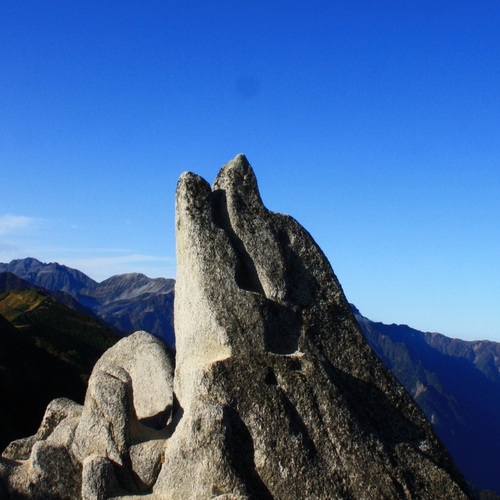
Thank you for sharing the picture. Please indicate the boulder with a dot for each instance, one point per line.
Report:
(128, 402)
(98, 478)
(53, 472)
(150, 367)
(113, 443)
(57, 411)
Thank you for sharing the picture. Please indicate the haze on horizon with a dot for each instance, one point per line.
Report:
(376, 126)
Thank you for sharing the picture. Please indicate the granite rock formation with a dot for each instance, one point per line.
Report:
(113, 443)
(276, 394)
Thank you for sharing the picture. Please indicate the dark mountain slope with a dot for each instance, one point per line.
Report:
(456, 383)
(46, 351)
(9, 281)
(135, 302)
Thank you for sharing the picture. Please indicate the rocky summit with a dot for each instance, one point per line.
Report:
(275, 393)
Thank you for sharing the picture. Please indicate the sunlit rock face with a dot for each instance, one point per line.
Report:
(281, 396)
(275, 392)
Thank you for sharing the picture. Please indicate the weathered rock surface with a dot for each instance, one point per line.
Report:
(282, 396)
(275, 395)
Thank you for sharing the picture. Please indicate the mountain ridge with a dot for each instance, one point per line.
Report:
(457, 385)
(128, 302)
(52, 275)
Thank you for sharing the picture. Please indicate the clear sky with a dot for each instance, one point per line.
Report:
(375, 124)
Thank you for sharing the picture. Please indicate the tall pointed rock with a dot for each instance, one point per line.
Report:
(280, 396)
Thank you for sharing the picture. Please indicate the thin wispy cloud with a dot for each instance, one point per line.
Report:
(99, 263)
(100, 267)
(11, 224)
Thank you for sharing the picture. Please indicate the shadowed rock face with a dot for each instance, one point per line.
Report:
(276, 393)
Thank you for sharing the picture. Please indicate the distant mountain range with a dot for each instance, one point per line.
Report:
(455, 382)
(128, 302)
(457, 385)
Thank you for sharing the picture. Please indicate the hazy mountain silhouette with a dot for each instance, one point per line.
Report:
(457, 385)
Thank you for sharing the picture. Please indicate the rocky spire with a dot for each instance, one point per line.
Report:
(276, 392)
(282, 396)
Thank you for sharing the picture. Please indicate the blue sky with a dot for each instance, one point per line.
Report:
(375, 124)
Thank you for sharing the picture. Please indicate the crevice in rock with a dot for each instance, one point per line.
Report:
(282, 328)
(295, 365)
(270, 378)
(146, 431)
(245, 273)
(177, 414)
(240, 448)
(159, 420)
(297, 425)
